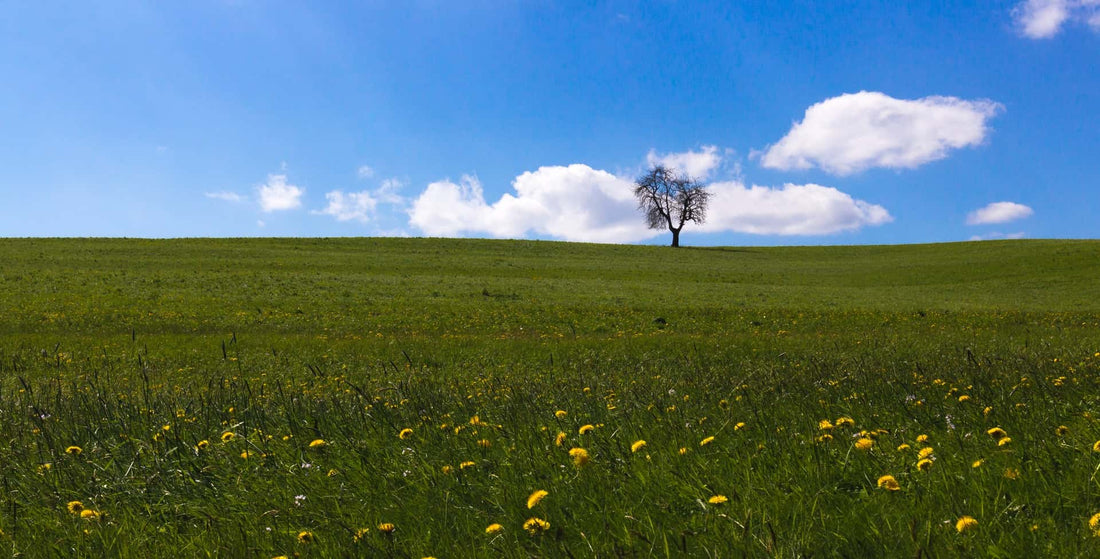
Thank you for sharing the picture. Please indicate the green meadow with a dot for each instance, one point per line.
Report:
(410, 397)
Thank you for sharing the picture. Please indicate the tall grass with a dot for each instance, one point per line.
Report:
(419, 401)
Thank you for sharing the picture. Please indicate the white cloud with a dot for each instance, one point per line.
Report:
(696, 164)
(808, 209)
(388, 192)
(224, 195)
(277, 195)
(346, 207)
(364, 172)
(575, 203)
(996, 236)
(857, 131)
(360, 206)
(998, 212)
(1043, 19)
(579, 203)
(1040, 19)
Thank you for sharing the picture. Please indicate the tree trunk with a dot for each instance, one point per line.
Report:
(675, 237)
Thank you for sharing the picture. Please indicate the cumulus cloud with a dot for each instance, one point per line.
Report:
(364, 172)
(357, 206)
(574, 203)
(224, 195)
(360, 206)
(1042, 19)
(277, 195)
(857, 131)
(793, 209)
(696, 164)
(579, 203)
(998, 212)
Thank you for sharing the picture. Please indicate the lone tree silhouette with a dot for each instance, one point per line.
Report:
(670, 200)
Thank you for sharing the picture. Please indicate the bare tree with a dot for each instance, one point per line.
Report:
(670, 200)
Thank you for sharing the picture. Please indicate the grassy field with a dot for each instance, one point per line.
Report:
(403, 397)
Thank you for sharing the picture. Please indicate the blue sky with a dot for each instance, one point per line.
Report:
(814, 123)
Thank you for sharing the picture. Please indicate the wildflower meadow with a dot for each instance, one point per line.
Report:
(470, 398)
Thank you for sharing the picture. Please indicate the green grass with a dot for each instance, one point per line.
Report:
(104, 343)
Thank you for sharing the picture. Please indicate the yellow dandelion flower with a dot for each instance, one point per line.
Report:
(824, 438)
(997, 433)
(202, 445)
(558, 440)
(494, 529)
(965, 523)
(228, 436)
(638, 445)
(332, 473)
(706, 441)
(922, 438)
(987, 410)
(246, 454)
(89, 514)
(864, 444)
(74, 450)
(903, 447)
(361, 533)
(317, 443)
(717, 499)
(534, 525)
(75, 507)
(386, 527)
(683, 450)
(580, 456)
(1004, 441)
(585, 429)
(977, 464)
(963, 399)
(845, 422)
(466, 464)
(1012, 473)
(888, 483)
(484, 443)
(305, 536)
(739, 426)
(1062, 430)
(1096, 446)
(405, 433)
(924, 465)
(536, 497)
(824, 425)
(447, 469)
(1094, 524)
(560, 414)
(925, 452)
